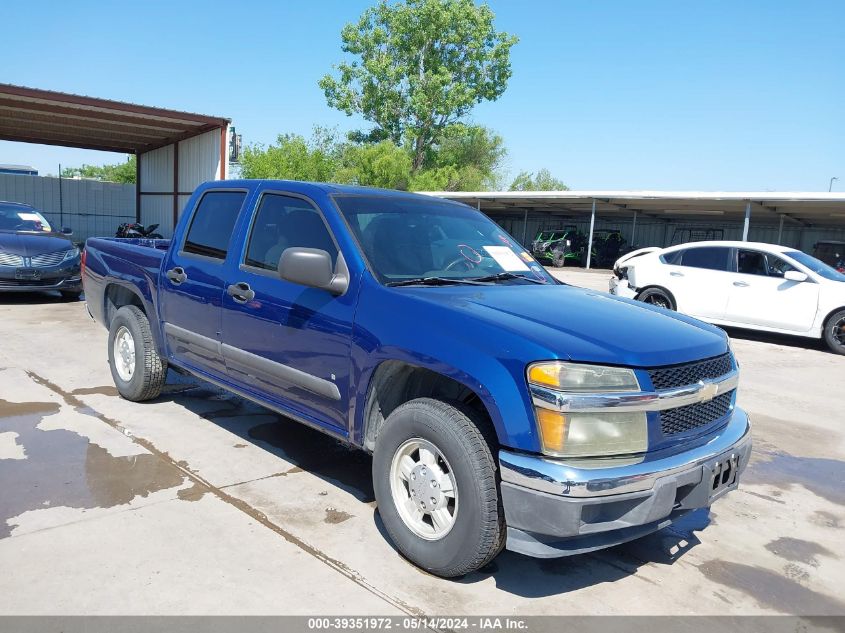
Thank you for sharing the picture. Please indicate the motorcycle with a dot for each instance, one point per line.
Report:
(133, 229)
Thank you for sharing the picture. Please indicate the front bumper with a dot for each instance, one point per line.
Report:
(621, 288)
(63, 278)
(559, 507)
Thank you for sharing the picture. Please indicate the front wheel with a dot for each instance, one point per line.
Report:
(834, 332)
(656, 297)
(434, 477)
(136, 368)
(558, 259)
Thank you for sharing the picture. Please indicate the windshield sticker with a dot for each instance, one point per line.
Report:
(526, 257)
(506, 258)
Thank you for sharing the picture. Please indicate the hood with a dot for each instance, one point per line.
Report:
(584, 325)
(29, 244)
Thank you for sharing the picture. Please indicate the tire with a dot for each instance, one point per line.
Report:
(657, 297)
(558, 259)
(834, 332)
(72, 295)
(143, 373)
(462, 444)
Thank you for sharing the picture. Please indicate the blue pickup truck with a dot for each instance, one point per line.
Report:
(502, 408)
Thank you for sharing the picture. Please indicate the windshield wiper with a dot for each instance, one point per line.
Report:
(507, 275)
(435, 281)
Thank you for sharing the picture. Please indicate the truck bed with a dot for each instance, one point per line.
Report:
(129, 262)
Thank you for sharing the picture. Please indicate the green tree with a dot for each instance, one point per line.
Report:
(542, 181)
(293, 157)
(466, 158)
(381, 164)
(418, 67)
(122, 172)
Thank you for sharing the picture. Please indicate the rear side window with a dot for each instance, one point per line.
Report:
(712, 258)
(284, 222)
(213, 223)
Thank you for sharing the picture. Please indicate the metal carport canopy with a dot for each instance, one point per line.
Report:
(32, 115)
(46, 117)
(804, 208)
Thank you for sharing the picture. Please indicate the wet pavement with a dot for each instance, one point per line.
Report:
(200, 502)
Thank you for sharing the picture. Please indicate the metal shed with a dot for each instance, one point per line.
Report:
(649, 218)
(176, 150)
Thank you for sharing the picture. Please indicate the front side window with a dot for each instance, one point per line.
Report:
(285, 222)
(710, 257)
(817, 266)
(407, 238)
(213, 223)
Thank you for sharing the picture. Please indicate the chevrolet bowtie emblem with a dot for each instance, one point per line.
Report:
(707, 391)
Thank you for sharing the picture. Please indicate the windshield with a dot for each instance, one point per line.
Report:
(408, 238)
(20, 218)
(817, 266)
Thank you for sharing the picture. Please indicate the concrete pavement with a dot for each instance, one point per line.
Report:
(201, 503)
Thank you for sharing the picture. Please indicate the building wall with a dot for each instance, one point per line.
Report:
(660, 233)
(198, 162)
(89, 207)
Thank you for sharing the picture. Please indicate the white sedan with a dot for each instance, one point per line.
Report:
(740, 284)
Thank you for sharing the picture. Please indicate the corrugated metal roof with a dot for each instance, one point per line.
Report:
(31, 115)
(806, 208)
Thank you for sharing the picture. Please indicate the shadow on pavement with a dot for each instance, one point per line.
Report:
(31, 298)
(801, 342)
(350, 470)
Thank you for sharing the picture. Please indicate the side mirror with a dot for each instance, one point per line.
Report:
(794, 275)
(67, 231)
(312, 267)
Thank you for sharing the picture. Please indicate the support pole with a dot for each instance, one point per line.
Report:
(747, 221)
(780, 230)
(525, 227)
(634, 230)
(590, 241)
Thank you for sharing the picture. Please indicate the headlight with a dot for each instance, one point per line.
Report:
(582, 378)
(593, 434)
(71, 254)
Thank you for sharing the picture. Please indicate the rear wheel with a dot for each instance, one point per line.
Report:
(558, 259)
(434, 476)
(834, 332)
(657, 297)
(136, 368)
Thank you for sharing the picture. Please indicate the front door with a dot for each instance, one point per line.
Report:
(761, 296)
(191, 290)
(698, 277)
(282, 338)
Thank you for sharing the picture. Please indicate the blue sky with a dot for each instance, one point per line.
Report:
(715, 95)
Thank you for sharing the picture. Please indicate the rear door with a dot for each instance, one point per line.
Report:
(281, 338)
(191, 290)
(760, 295)
(700, 280)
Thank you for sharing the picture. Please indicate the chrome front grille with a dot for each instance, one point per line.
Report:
(47, 259)
(690, 373)
(7, 259)
(693, 416)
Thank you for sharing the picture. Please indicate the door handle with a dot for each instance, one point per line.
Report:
(241, 292)
(676, 274)
(176, 275)
(740, 284)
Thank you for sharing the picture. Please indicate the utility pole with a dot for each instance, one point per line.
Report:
(830, 186)
(61, 206)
